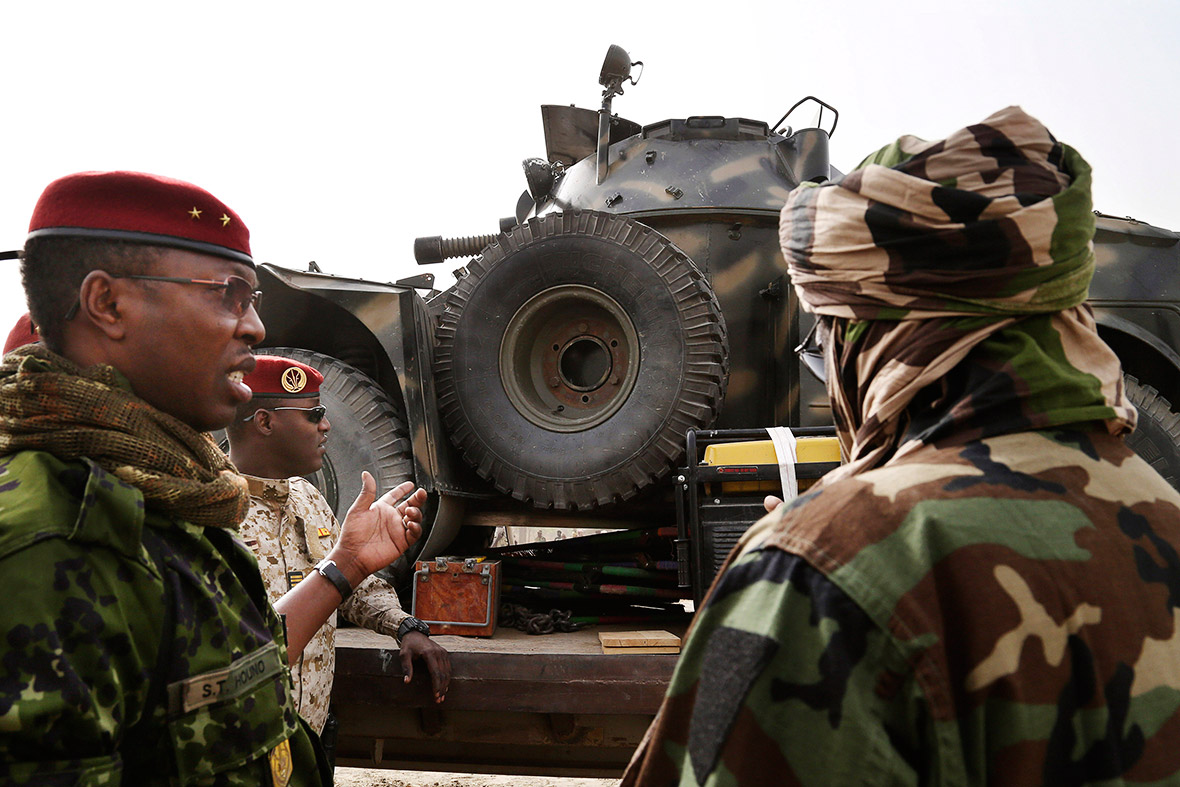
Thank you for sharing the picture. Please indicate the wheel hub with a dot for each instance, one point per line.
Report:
(569, 358)
(584, 363)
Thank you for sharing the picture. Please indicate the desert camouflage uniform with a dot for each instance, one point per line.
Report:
(154, 657)
(290, 528)
(833, 651)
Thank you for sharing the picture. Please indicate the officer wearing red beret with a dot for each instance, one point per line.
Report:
(139, 647)
(280, 435)
(282, 432)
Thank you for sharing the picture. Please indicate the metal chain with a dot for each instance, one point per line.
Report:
(524, 619)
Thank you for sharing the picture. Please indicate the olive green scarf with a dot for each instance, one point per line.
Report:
(49, 404)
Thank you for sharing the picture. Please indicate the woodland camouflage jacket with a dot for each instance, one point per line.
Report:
(1000, 612)
(138, 649)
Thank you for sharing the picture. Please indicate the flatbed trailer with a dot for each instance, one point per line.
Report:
(551, 704)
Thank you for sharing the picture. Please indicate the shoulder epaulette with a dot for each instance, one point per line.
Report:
(42, 496)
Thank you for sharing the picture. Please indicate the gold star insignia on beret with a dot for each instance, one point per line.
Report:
(225, 219)
(195, 212)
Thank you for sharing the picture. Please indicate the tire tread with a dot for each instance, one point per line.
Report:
(705, 367)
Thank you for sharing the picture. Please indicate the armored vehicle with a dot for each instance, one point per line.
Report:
(637, 292)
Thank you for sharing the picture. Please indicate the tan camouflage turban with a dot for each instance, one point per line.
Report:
(952, 276)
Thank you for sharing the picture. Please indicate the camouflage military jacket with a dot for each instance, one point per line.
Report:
(138, 649)
(291, 528)
(959, 617)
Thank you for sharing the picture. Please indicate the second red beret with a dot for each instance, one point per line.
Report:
(282, 378)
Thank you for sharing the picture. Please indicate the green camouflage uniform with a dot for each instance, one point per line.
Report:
(987, 592)
(139, 648)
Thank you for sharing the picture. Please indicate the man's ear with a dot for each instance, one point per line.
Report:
(98, 304)
(262, 422)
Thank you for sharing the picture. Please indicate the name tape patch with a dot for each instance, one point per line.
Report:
(220, 685)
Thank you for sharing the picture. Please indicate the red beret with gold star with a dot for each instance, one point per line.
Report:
(24, 332)
(134, 206)
(282, 378)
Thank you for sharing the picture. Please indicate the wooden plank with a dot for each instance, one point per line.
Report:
(638, 639)
(637, 650)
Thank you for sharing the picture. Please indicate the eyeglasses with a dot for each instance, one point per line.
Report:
(811, 353)
(314, 414)
(237, 295)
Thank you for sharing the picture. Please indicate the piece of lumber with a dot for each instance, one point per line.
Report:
(639, 639)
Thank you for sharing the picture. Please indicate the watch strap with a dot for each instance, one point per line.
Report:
(328, 569)
(411, 623)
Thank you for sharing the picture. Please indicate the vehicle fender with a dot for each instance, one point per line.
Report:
(385, 331)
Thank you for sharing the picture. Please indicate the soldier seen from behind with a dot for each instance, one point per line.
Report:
(987, 592)
(139, 645)
(277, 436)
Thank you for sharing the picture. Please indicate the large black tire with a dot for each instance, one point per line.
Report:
(368, 431)
(1157, 437)
(574, 355)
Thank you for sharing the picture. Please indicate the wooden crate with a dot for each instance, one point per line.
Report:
(457, 595)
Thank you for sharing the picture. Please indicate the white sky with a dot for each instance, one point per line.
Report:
(341, 131)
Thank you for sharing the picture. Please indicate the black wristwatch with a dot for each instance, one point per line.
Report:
(411, 624)
(329, 571)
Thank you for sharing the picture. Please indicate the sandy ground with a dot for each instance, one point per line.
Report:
(378, 777)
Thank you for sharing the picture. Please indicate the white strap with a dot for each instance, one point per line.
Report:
(784, 449)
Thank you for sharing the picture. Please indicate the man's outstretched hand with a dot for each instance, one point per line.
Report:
(374, 534)
(378, 530)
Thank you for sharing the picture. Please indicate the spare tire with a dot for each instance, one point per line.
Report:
(368, 431)
(1157, 436)
(573, 356)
